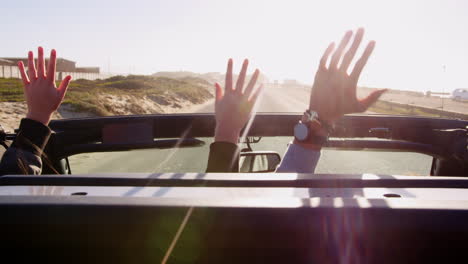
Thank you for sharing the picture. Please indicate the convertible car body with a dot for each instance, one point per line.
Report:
(246, 217)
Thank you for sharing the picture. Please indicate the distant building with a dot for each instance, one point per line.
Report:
(63, 65)
(5, 62)
(290, 82)
(87, 69)
(8, 69)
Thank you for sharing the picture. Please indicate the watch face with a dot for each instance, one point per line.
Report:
(301, 132)
(313, 114)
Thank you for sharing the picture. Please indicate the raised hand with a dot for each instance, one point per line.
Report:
(334, 89)
(42, 95)
(233, 107)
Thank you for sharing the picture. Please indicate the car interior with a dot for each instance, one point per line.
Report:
(253, 216)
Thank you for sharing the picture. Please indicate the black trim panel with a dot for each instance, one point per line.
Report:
(238, 180)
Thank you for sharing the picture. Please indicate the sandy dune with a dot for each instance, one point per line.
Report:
(11, 114)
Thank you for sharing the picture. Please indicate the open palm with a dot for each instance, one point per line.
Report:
(42, 95)
(334, 89)
(234, 106)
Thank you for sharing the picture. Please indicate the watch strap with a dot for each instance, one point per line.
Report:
(315, 134)
(313, 115)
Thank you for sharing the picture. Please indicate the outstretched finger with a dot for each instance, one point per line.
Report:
(365, 103)
(228, 82)
(52, 66)
(256, 94)
(241, 78)
(362, 62)
(24, 76)
(31, 67)
(252, 82)
(62, 90)
(40, 63)
(218, 94)
(348, 57)
(339, 51)
(324, 59)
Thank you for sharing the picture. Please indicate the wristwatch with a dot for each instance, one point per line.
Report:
(310, 130)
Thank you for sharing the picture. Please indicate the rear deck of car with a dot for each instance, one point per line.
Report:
(232, 218)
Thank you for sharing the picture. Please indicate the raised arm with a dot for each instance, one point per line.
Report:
(233, 109)
(43, 98)
(333, 95)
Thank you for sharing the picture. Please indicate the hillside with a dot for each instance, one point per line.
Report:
(117, 95)
(209, 77)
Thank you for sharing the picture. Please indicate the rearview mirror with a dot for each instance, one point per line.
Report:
(259, 161)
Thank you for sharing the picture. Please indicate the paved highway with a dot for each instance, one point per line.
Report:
(274, 100)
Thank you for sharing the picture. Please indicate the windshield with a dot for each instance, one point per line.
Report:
(193, 160)
(164, 57)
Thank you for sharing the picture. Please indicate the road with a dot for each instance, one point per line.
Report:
(274, 100)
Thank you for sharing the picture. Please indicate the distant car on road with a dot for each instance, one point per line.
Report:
(460, 94)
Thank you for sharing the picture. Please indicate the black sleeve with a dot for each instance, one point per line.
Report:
(24, 154)
(223, 157)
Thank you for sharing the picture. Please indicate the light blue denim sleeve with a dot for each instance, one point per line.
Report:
(299, 159)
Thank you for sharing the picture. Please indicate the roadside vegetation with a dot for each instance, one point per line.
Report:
(96, 97)
(11, 90)
(393, 108)
(389, 108)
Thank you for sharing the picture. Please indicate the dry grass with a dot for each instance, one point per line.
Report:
(388, 108)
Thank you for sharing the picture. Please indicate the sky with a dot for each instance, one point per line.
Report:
(420, 45)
